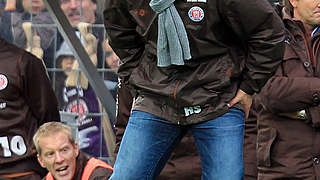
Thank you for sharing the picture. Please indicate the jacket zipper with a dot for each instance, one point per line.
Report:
(315, 51)
(309, 56)
(175, 90)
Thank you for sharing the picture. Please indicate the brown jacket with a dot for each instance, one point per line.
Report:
(289, 145)
(26, 102)
(237, 44)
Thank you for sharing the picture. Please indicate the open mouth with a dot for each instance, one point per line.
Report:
(62, 170)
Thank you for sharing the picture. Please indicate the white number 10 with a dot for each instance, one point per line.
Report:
(17, 146)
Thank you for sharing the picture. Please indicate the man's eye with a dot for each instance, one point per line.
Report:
(64, 150)
(49, 155)
(64, 1)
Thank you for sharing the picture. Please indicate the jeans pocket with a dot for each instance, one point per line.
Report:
(265, 140)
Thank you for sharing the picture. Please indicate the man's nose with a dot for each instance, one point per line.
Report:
(59, 158)
(74, 3)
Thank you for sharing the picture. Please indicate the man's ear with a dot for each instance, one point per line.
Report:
(76, 149)
(40, 161)
(293, 3)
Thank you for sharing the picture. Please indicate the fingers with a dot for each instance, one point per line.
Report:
(244, 99)
(233, 101)
(239, 96)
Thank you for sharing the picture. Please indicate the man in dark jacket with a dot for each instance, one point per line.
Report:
(289, 120)
(26, 101)
(198, 75)
(59, 153)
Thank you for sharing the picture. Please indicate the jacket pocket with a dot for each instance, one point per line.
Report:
(265, 140)
(294, 63)
(313, 114)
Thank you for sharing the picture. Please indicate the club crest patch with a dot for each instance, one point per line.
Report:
(196, 14)
(3, 82)
(78, 106)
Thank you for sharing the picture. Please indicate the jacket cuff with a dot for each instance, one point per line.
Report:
(247, 88)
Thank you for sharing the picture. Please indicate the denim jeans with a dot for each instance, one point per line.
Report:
(148, 142)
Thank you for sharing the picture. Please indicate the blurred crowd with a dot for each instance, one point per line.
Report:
(29, 25)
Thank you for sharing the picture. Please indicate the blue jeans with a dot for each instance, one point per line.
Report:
(148, 142)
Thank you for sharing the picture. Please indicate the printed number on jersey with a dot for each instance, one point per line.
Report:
(14, 146)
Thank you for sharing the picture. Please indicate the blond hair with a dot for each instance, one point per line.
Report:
(51, 128)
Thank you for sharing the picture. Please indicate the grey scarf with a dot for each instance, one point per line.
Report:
(173, 45)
